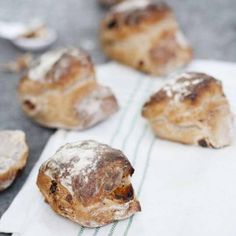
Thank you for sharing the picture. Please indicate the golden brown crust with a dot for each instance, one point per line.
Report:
(91, 187)
(190, 87)
(146, 38)
(51, 92)
(17, 162)
(193, 110)
(70, 67)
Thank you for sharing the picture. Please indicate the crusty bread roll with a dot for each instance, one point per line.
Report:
(60, 91)
(192, 110)
(13, 156)
(145, 36)
(109, 3)
(89, 183)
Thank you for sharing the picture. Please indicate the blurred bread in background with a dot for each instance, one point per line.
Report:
(145, 36)
(60, 91)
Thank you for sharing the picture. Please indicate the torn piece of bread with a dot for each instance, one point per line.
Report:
(60, 91)
(13, 156)
(89, 183)
(145, 36)
(191, 110)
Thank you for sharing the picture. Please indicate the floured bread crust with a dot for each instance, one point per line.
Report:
(57, 83)
(89, 183)
(13, 156)
(145, 36)
(191, 110)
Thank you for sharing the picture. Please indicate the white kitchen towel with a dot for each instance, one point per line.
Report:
(183, 190)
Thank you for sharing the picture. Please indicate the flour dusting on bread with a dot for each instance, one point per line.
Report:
(89, 183)
(96, 106)
(79, 158)
(44, 64)
(184, 86)
(181, 39)
(131, 5)
(12, 144)
(61, 91)
(193, 110)
(13, 155)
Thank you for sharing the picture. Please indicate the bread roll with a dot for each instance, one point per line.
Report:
(60, 91)
(89, 183)
(13, 156)
(145, 36)
(192, 110)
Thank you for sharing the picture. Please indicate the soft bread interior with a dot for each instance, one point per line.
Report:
(13, 156)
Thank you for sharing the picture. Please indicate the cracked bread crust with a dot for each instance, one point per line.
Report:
(89, 183)
(191, 110)
(55, 86)
(146, 37)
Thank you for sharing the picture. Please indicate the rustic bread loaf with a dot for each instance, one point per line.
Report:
(191, 110)
(13, 156)
(60, 91)
(89, 183)
(145, 36)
